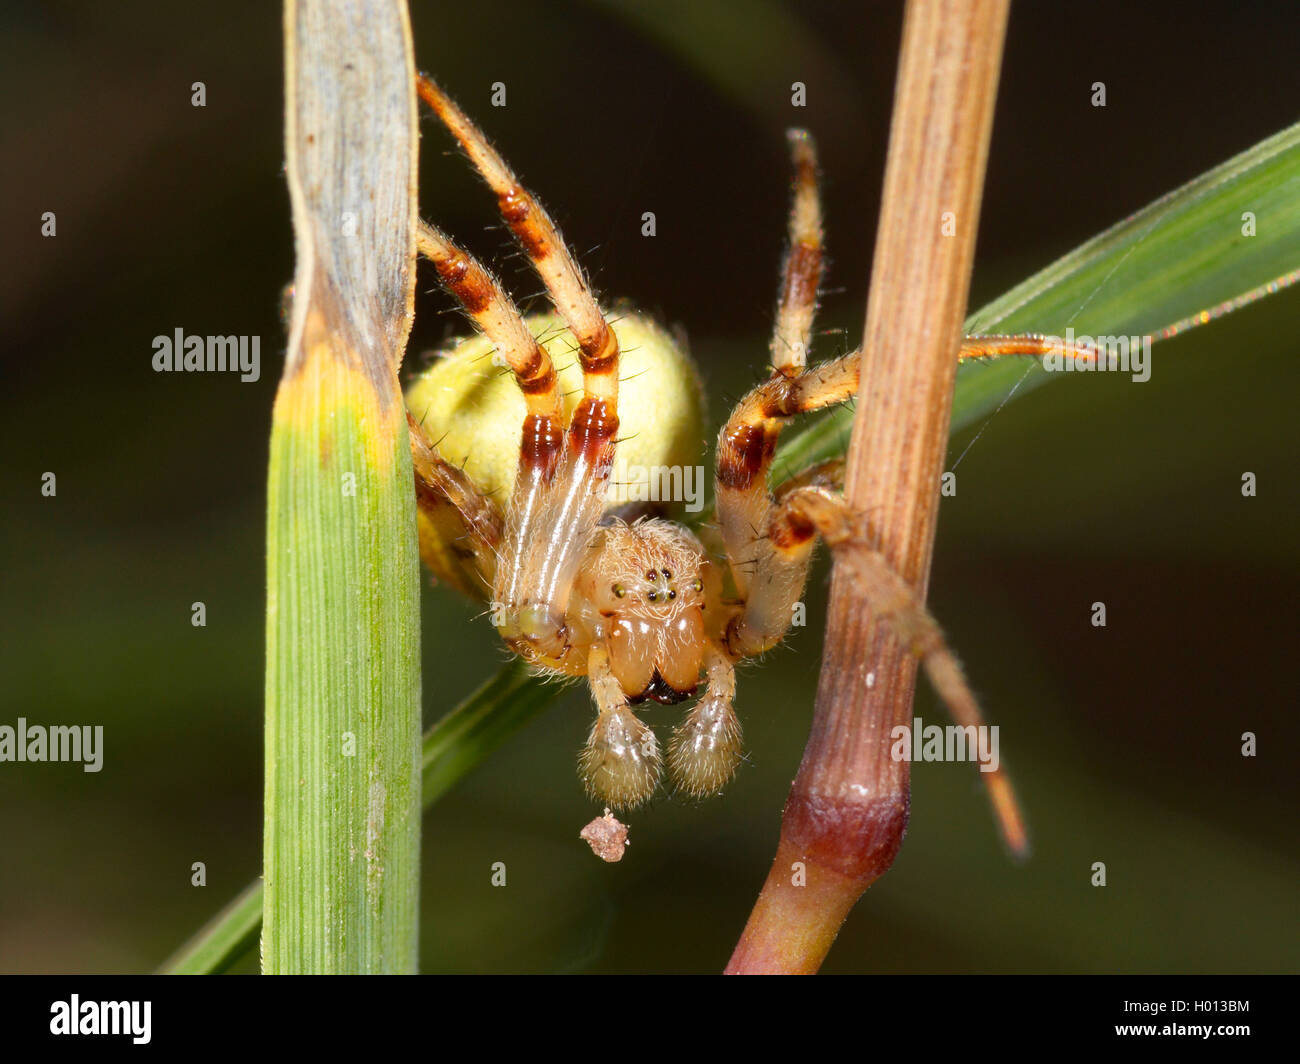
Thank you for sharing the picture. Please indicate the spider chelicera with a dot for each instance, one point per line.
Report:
(646, 609)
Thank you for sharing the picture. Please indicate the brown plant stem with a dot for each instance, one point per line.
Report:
(847, 812)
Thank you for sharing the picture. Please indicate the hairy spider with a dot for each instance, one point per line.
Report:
(645, 609)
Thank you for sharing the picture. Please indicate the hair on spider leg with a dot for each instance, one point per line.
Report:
(512, 256)
(486, 611)
(549, 332)
(560, 332)
(528, 303)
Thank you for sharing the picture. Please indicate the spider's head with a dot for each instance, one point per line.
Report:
(648, 583)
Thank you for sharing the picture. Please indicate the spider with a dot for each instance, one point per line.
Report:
(645, 608)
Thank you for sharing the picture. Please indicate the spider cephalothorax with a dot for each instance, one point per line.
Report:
(643, 596)
(643, 610)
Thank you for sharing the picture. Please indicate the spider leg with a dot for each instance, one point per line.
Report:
(806, 512)
(562, 486)
(747, 442)
(1028, 344)
(453, 503)
(827, 474)
(706, 746)
(802, 271)
(621, 764)
(497, 317)
(541, 241)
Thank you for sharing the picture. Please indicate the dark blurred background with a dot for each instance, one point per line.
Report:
(1124, 742)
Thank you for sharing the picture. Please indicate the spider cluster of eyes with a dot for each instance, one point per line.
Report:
(653, 590)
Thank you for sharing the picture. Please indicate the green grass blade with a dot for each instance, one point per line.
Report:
(1182, 253)
(1156, 272)
(341, 843)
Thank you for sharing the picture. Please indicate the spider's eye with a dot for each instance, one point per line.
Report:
(698, 585)
(667, 574)
(652, 596)
(672, 595)
(618, 591)
(652, 575)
